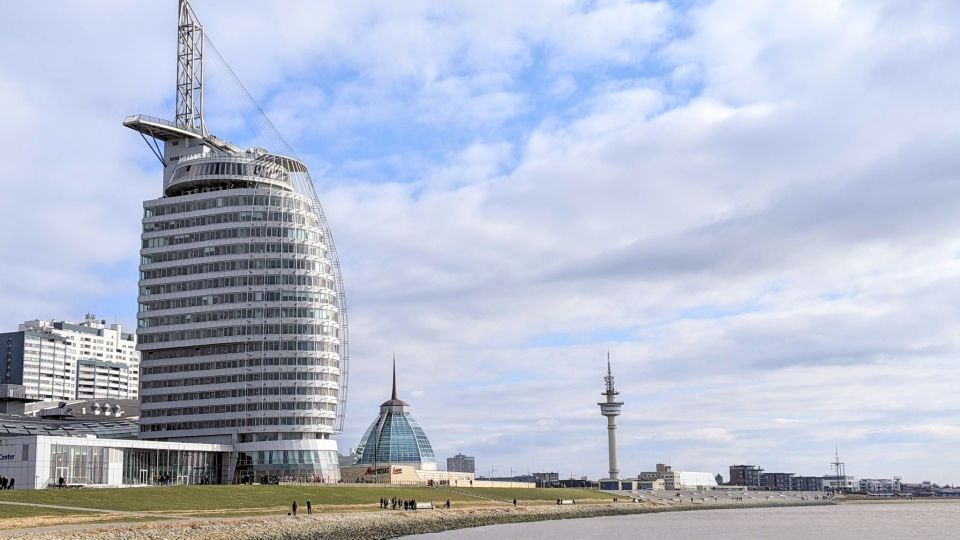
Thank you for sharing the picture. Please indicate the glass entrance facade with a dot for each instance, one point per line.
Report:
(91, 465)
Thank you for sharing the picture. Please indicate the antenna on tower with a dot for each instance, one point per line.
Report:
(839, 468)
(190, 71)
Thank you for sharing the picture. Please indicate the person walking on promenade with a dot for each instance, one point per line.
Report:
(413, 504)
(309, 507)
(448, 504)
(294, 508)
(514, 502)
(60, 482)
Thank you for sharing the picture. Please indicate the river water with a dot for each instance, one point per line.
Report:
(933, 519)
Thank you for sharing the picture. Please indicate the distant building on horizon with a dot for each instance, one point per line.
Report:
(63, 361)
(746, 475)
(461, 463)
(546, 479)
(667, 478)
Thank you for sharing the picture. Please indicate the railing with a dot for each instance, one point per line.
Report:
(154, 120)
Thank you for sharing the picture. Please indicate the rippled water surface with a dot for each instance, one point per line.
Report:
(840, 522)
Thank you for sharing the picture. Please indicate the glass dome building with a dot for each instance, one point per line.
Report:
(395, 438)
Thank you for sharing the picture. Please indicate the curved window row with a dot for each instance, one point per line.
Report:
(231, 217)
(229, 266)
(236, 314)
(211, 424)
(232, 249)
(244, 392)
(274, 200)
(246, 330)
(236, 298)
(245, 377)
(242, 348)
(270, 171)
(290, 233)
(236, 281)
(250, 362)
(241, 408)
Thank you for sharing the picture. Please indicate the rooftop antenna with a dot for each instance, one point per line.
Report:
(840, 469)
(190, 71)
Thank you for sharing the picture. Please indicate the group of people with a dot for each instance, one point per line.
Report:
(293, 507)
(394, 502)
(7, 483)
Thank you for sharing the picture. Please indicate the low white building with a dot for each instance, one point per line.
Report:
(676, 480)
(880, 485)
(40, 461)
(63, 361)
(840, 483)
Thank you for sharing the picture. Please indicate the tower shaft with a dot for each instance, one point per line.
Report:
(612, 447)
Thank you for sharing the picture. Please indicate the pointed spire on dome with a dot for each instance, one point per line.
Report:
(394, 401)
(394, 396)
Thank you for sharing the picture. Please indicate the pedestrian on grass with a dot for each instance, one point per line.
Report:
(309, 507)
(448, 504)
(514, 502)
(61, 482)
(294, 507)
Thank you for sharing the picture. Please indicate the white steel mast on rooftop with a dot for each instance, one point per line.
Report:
(190, 71)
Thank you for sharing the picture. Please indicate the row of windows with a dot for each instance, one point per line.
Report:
(236, 281)
(241, 422)
(235, 314)
(238, 298)
(243, 407)
(231, 217)
(273, 200)
(244, 377)
(244, 392)
(231, 266)
(249, 362)
(232, 249)
(269, 171)
(291, 233)
(240, 348)
(246, 330)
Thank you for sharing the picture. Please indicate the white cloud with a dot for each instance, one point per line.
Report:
(758, 217)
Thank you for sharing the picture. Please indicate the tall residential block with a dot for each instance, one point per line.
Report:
(461, 463)
(62, 361)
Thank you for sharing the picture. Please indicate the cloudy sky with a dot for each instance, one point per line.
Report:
(755, 207)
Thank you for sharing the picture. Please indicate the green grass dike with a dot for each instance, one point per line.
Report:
(267, 499)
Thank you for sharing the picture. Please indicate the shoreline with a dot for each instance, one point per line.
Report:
(382, 525)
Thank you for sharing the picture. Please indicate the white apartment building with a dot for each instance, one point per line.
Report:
(880, 485)
(62, 361)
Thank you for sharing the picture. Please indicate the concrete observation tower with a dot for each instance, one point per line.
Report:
(611, 409)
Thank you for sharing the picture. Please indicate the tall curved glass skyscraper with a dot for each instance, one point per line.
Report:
(242, 316)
